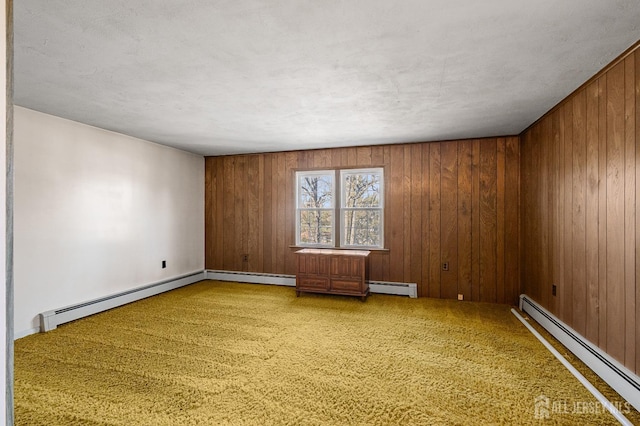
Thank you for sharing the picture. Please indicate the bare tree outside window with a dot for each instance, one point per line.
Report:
(315, 208)
(361, 208)
(359, 213)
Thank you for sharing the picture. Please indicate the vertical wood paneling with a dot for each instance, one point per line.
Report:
(637, 242)
(277, 191)
(592, 193)
(241, 185)
(446, 201)
(291, 163)
(464, 219)
(253, 220)
(591, 214)
(386, 267)
(527, 212)
(415, 248)
(558, 265)
(475, 220)
(395, 208)
(210, 207)
(615, 211)
(229, 230)
(435, 229)
(602, 212)
(406, 213)
(240, 181)
(448, 219)
(500, 228)
(511, 223)
(377, 156)
(488, 221)
(426, 222)
(567, 290)
(530, 213)
(629, 213)
(543, 219)
(578, 224)
(268, 215)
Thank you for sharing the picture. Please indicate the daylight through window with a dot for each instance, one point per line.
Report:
(354, 218)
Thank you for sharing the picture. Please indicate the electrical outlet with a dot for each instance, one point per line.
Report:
(461, 297)
(164, 264)
(445, 266)
(245, 258)
(553, 289)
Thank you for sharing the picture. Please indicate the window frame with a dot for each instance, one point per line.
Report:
(306, 173)
(338, 198)
(342, 208)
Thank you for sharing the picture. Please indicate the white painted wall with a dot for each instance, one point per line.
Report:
(96, 212)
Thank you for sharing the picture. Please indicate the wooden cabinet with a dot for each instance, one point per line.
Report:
(333, 272)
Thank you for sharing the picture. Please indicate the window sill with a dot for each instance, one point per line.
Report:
(372, 250)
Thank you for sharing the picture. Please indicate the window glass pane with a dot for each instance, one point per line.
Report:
(361, 190)
(315, 191)
(316, 227)
(362, 228)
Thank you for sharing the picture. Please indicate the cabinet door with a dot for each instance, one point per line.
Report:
(347, 266)
(313, 264)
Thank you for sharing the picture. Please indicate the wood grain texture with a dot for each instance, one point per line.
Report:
(423, 288)
(464, 219)
(512, 241)
(602, 212)
(615, 212)
(407, 211)
(448, 218)
(394, 209)
(435, 224)
(591, 213)
(488, 221)
(500, 217)
(435, 207)
(557, 195)
(475, 220)
(592, 188)
(578, 224)
(415, 247)
(629, 213)
(567, 284)
(637, 242)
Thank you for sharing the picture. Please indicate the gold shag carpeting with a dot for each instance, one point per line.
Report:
(225, 353)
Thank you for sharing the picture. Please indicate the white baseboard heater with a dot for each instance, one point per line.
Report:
(621, 379)
(51, 319)
(380, 287)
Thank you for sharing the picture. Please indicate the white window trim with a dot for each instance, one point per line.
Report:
(337, 207)
(342, 209)
(332, 209)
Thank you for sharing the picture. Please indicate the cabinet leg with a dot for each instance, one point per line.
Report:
(297, 293)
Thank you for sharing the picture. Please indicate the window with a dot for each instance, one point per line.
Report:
(353, 219)
(361, 208)
(315, 208)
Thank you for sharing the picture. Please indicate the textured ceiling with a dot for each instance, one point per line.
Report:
(221, 77)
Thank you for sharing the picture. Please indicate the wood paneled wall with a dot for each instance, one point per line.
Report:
(454, 202)
(580, 228)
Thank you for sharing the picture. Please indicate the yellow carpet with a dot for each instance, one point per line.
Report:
(225, 353)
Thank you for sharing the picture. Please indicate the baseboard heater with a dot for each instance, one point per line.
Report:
(51, 319)
(621, 379)
(380, 287)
